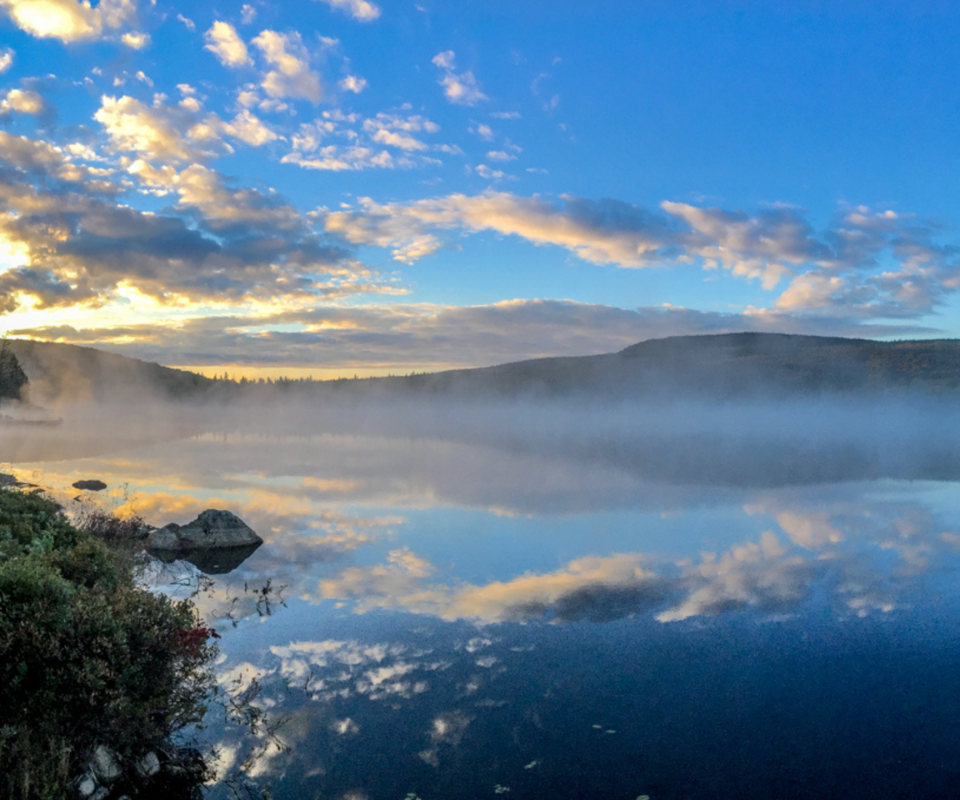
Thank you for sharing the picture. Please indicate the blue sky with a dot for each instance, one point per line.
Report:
(350, 186)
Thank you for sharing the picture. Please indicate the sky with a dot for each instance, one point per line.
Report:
(341, 187)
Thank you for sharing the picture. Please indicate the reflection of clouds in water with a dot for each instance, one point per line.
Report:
(841, 547)
(286, 477)
(446, 730)
(340, 669)
(579, 590)
(761, 575)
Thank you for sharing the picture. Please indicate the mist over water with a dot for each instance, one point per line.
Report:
(563, 598)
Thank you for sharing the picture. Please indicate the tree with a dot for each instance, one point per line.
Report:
(12, 376)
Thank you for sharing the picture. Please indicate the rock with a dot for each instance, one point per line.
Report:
(148, 766)
(8, 480)
(90, 486)
(100, 794)
(86, 785)
(211, 530)
(105, 764)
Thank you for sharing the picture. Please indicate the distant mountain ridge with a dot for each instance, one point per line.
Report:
(713, 366)
(726, 365)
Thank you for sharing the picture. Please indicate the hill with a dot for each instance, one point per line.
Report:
(722, 366)
(66, 372)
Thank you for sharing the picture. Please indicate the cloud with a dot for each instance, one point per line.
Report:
(6, 59)
(171, 134)
(604, 233)
(135, 127)
(136, 41)
(247, 14)
(364, 142)
(23, 102)
(843, 271)
(360, 10)
(219, 243)
(225, 43)
(292, 76)
(462, 89)
(353, 84)
(249, 129)
(69, 20)
(188, 23)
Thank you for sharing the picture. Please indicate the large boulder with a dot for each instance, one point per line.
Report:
(212, 530)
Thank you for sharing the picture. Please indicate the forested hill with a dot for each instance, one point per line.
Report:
(66, 372)
(711, 367)
(724, 365)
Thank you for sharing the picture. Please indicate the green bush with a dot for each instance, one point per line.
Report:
(87, 656)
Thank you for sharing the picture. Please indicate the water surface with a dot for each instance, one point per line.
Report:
(469, 616)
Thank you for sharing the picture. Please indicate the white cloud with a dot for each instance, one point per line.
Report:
(224, 42)
(249, 129)
(353, 84)
(835, 272)
(136, 41)
(362, 146)
(462, 89)
(133, 126)
(22, 101)
(445, 60)
(247, 14)
(292, 76)
(69, 20)
(189, 23)
(334, 158)
(6, 59)
(491, 174)
(361, 10)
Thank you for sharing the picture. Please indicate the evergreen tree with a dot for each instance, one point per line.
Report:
(12, 376)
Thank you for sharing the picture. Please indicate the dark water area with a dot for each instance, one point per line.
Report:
(472, 617)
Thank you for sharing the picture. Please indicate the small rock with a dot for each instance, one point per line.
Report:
(90, 486)
(87, 785)
(105, 764)
(100, 794)
(148, 766)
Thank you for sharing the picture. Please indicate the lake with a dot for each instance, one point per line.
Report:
(461, 608)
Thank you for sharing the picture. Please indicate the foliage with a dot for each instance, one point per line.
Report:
(87, 656)
(12, 376)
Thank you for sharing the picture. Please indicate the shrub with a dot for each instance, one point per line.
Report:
(87, 656)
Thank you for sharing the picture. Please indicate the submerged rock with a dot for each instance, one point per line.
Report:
(211, 530)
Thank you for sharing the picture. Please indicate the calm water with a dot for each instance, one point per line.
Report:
(466, 618)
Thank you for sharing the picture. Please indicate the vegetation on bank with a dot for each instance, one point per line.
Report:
(88, 658)
(12, 376)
